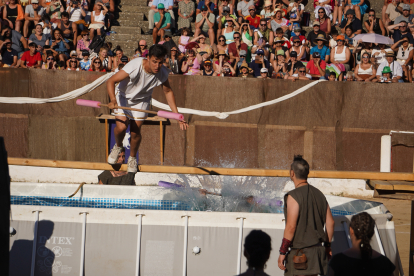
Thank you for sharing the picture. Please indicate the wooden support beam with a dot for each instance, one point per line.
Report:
(211, 171)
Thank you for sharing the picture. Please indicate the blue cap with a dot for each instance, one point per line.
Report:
(260, 51)
(295, 38)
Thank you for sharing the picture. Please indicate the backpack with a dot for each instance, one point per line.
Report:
(97, 42)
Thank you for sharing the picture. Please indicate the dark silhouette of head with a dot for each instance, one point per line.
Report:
(257, 247)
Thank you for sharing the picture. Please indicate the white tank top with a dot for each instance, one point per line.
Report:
(364, 72)
(99, 18)
(341, 56)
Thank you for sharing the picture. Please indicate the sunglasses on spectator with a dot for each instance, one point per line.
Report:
(73, 61)
(262, 24)
(251, 10)
(371, 15)
(50, 58)
(142, 45)
(236, 37)
(97, 62)
(221, 40)
(321, 12)
(302, 71)
(85, 34)
(296, 41)
(365, 57)
(260, 54)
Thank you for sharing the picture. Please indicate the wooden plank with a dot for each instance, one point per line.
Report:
(388, 187)
(397, 196)
(393, 185)
(212, 171)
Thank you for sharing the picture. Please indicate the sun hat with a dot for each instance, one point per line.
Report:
(264, 70)
(320, 37)
(340, 37)
(35, 2)
(267, 3)
(279, 10)
(386, 69)
(280, 53)
(222, 53)
(244, 65)
(390, 54)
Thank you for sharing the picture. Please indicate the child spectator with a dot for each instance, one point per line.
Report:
(183, 40)
(295, 9)
(350, 76)
(332, 41)
(245, 71)
(85, 63)
(31, 58)
(386, 75)
(297, 31)
(279, 35)
(263, 74)
(332, 76)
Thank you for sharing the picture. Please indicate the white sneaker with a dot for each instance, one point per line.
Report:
(114, 155)
(132, 165)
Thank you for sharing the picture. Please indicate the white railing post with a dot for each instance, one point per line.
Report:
(82, 258)
(137, 268)
(185, 245)
(385, 162)
(240, 244)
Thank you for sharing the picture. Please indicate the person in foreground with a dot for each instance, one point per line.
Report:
(137, 80)
(307, 213)
(257, 247)
(117, 177)
(361, 259)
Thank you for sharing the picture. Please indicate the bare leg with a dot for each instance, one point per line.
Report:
(357, 12)
(383, 14)
(211, 36)
(341, 77)
(154, 35)
(91, 33)
(135, 137)
(120, 129)
(340, 10)
(18, 25)
(335, 15)
(26, 28)
(197, 32)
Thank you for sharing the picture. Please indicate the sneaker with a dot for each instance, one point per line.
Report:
(149, 32)
(132, 165)
(114, 155)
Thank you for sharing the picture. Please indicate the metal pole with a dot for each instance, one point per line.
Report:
(161, 144)
(137, 268)
(377, 236)
(185, 246)
(32, 269)
(346, 229)
(82, 260)
(239, 252)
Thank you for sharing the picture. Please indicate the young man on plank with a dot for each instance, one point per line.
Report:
(136, 81)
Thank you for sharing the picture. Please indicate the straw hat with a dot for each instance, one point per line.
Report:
(320, 37)
(282, 11)
(267, 3)
(222, 53)
(244, 64)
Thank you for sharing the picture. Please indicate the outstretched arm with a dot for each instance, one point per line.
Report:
(169, 95)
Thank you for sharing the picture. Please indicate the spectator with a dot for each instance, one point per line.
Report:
(391, 12)
(47, 25)
(31, 58)
(32, 16)
(60, 45)
(259, 63)
(399, 30)
(85, 62)
(380, 52)
(208, 4)
(350, 20)
(222, 46)
(257, 247)
(279, 65)
(204, 49)
(332, 41)
(8, 54)
(73, 64)
(406, 10)
(205, 24)
(247, 37)
(340, 56)
(316, 67)
(222, 19)
(226, 9)
(162, 23)
(98, 19)
(142, 50)
(235, 47)
(309, 222)
(297, 32)
(243, 9)
(299, 48)
(324, 21)
(293, 64)
(280, 22)
(77, 14)
(279, 35)
(350, 76)
(207, 71)
(172, 61)
(395, 67)
(361, 49)
(186, 9)
(117, 177)
(97, 66)
(228, 31)
(365, 71)
(316, 32)
(191, 65)
(267, 12)
(239, 61)
(110, 5)
(296, 10)
(320, 48)
(18, 42)
(83, 44)
(184, 38)
(404, 56)
(264, 34)
(50, 62)
(278, 45)
(119, 53)
(332, 76)
(39, 37)
(168, 7)
(54, 10)
(222, 57)
(105, 59)
(358, 6)
(386, 75)
(245, 71)
(374, 25)
(361, 258)
(13, 13)
(226, 70)
(73, 57)
(69, 29)
(349, 38)
(264, 74)
(254, 20)
(411, 24)
(324, 4)
(338, 12)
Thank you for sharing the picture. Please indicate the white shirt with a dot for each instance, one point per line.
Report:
(396, 68)
(140, 84)
(380, 58)
(301, 7)
(307, 75)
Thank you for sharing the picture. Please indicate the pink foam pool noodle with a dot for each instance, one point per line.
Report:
(171, 115)
(88, 103)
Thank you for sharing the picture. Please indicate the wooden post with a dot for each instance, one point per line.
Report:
(106, 139)
(410, 257)
(161, 144)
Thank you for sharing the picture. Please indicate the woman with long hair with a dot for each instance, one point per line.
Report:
(327, 5)
(97, 19)
(97, 66)
(229, 30)
(83, 43)
(340, 56)
(257, 247)
(60, 45)
(172, 61)
(365, 71)
(324, 21)
(190, 65)
(39, 37)
(105, 59)
(361, 259)
(119, 53)
(247, 38)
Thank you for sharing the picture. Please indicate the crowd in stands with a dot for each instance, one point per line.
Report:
(246, 38)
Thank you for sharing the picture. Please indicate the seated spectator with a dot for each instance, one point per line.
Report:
(324, 21)
(360, 257)
(97, 65)
(39, 37)
(386, 75)
(358, 6)
(222, 46)
(105, 59)
(316, 67)
(293, 64)
(116, 60)
(222, 18)
(205, 24)
(253, 18)
(162, 23)
(405, 14)
(223, 57)
(19, 43)
(332, 76)
(235, 47)
(350, 76)
(324, 4)
(349, 38)
(267, 12)
(374, 25)
(365, 71)
(301, 75)
(332, 41)
(73, 65)
(8, 54)
(50, 62)
(172, 61)
(225, 9)
(110, 5)
(297, 32)
(225, 70)
(280, 22)
(204, 49)
(13, 13)
(295, 9)
(77, 14)
(277, 46)
(85, 62)
(361, 49)
(340, 56)
(142, 50)
(32, 16)
(320, 48)
(47, 25)
(264, 74)
(245, 71)
(123, 61)
(350, 20)
(299, 48)
(228, 31)
(168, 8)
(190, 65)
(404, 56)
(73, 57)
(243, 9)
(391, 12)
(263, 33)
(257, 247)
(209, 5)
(83, 44)
(314, 34)
(117, 177)
(338, 12)
(184, 38)
(259, 63)
(239, 61)
(98, 20)
(399, 30)
(54, 11)
(31, 58)
(247, 37)
(208, 69)
(380, 52)
(60, 45)
(279, 65)
(186, 10)
(279, 35)
(395, 67)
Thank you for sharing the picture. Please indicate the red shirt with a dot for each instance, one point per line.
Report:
(232, 48)
(103, 70)
(255, 22)
(313, 69)
(31, 60)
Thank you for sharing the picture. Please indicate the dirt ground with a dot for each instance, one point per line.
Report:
(401, 210)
